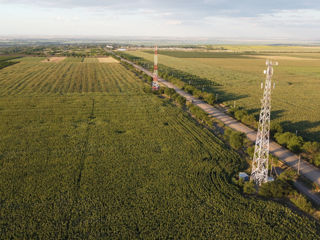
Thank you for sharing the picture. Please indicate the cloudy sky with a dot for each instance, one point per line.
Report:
(248, 19)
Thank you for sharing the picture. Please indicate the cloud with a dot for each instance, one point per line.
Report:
(212, 18)
(283, 23)
(200, 7)
(174, 22)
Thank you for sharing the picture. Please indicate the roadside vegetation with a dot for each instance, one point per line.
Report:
(280, 129)
(238, 83)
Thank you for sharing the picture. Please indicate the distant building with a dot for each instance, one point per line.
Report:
(108, 46)
(121, 49)
(244, 176)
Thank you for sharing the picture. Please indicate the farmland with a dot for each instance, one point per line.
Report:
(296, 101)
(85, 153)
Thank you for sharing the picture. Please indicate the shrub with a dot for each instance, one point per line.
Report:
(209, 98)
(275, 128)
(234, 138)
(249, 120)
(249, 188)
(301, 202)
(189, 89)
(277, 189)
(311, 147)
(239, 114)
(200, 114)
(316, 160)
(169, 91)
(290, 140)
(250, 151)
(181, 100)
(288, 175)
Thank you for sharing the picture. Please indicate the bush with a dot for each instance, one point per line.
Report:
(316, 160)
(181, 100)
(249, 120)
(250, 151)
(249, 188)
(233, 109)
(275, 128)
(301, 202)
(189, 89)
(200, 114)
(288, 175)
(234, 138)
(169, 91)
(290, 140)
(276, 189)
(311, 147)
(239, 114)
(209, 98)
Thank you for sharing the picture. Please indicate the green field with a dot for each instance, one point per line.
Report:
(85, 153)
(296, 98)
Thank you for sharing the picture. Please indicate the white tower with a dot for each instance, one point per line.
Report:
(155, 83)
(259, 172)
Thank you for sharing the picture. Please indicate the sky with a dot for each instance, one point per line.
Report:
(243, 19)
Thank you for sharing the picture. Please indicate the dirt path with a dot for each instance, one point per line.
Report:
(306, 169)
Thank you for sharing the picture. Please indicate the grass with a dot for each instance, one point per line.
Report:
(108, 161)
(295, 103)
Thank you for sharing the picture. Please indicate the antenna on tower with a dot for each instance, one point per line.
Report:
(155, 83)
(259, 172)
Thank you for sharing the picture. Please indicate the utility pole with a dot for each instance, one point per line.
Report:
(259, 172)
(155, 83)
(299, 164)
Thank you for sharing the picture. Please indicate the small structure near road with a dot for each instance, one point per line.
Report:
(244, 176)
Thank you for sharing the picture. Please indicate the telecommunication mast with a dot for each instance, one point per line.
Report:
(155, 83)
(259, 172)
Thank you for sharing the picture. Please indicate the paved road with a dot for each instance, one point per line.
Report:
(306, 169)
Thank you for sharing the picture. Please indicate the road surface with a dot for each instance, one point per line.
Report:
(306, 169)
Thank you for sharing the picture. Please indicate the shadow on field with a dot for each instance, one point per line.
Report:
(225, 96)
(276, 114)
(303, 127)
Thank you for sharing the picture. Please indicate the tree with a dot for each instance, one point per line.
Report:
(316, 160)
(209, 98)
(276, 189)
(250, 151)
(240, 114)
(301, 202)
(275, 128)
(311, 147)
(181, 100)
(236, 140)
(249, 120)
(290, 140)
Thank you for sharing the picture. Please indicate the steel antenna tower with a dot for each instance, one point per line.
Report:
(259, 172)
(155, 83)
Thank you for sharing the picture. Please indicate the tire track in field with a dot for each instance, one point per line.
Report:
(59, 82)
(46, 79)
(18, 83)
(77, 181)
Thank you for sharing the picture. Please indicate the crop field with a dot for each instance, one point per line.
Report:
(296, 98)
(108, 60)
(85, 153)
(54, 59)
